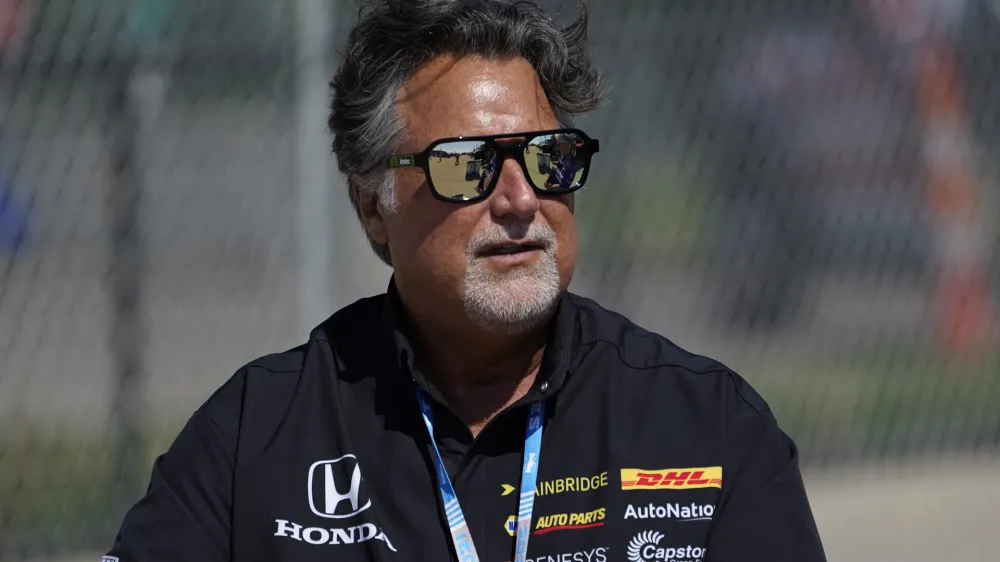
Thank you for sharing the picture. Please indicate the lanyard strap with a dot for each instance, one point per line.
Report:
(529, 475)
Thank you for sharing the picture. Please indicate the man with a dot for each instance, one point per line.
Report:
(477, 411)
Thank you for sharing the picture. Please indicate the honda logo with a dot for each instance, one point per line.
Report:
(327, 498)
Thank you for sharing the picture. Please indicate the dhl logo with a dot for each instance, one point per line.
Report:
(672, 478)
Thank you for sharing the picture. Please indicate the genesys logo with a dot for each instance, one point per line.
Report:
(645, 547)
(671, 478)
(560, 522)
(561, 485)
(334, 489)
(599, 554)
(671, 511)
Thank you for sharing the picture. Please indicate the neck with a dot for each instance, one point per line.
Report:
(478, 372)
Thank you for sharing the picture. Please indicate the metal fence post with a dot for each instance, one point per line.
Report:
(313, 176)
(136, 98)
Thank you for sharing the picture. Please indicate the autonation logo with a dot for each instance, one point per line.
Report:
(672, 511)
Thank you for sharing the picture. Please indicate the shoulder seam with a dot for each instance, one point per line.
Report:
(656, 366)
(725, 370)
(736, 387)
(758, 418)
(257, 365)
(270, 370)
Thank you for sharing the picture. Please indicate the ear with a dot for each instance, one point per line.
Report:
(370, 215)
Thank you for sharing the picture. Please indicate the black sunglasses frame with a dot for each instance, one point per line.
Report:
(504, 150)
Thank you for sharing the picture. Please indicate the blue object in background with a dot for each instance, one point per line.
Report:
(13, 218)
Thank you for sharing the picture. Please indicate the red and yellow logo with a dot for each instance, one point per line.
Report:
(560, 522)
(672, 478)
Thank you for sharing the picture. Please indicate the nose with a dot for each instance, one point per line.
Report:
(513, 195)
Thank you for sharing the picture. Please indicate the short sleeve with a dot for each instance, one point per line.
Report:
(763, 512)
(185, 513)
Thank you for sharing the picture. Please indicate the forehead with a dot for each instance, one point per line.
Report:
(472, 96)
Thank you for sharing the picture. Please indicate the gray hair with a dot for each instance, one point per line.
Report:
(394, 38)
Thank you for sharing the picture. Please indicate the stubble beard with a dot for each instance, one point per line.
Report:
(515, 301)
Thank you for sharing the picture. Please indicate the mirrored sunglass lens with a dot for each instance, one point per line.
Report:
(555, 162)
(462, 170)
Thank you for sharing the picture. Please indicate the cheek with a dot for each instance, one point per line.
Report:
(567, 255)
(431, 238)
(567, 246)
(560, 214)
(416, 217)
(561, 218)
(445, 243)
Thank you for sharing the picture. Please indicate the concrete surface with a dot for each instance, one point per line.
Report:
(917, 511)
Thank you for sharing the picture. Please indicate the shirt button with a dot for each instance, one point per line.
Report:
(545, 386)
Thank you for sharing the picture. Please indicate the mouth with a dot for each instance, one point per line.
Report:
(510, 249)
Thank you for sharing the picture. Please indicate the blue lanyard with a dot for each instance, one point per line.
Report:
(529, 475)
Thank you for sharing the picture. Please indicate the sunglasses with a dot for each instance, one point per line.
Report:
(466, 169)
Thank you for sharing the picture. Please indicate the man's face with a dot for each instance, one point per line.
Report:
(444, 253)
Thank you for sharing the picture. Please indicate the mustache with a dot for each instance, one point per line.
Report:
(534, 233)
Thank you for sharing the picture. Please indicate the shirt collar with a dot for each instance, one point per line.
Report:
(556, 359)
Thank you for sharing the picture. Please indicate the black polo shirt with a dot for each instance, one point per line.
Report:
(649, 453)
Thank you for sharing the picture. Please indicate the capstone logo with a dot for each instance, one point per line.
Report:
(645, 547)
(671, 511)
(319, 535)
(599, 554)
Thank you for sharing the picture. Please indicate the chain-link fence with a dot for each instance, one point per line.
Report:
(804, 189)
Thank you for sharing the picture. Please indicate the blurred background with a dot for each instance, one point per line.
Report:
(806, 190)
